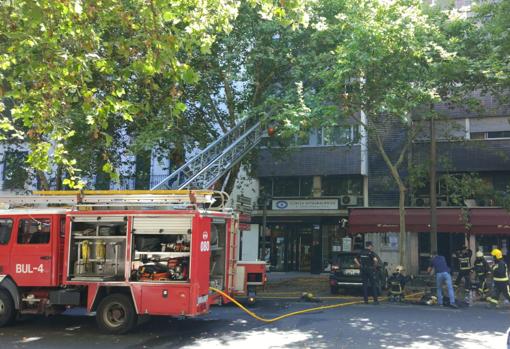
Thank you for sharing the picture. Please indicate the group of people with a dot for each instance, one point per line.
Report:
(481, 271)
(368, 262)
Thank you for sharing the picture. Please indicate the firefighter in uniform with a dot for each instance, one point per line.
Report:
(397, 283)
(481, 268)
(367, 261)
(464, 260)
(500, 278)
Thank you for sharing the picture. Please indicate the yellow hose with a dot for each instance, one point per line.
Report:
(309, 310)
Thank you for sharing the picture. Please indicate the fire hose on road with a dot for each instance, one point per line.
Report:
(284, 316)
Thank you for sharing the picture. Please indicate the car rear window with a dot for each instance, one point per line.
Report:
(344, 260)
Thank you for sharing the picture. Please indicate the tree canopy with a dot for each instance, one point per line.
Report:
(78, 76)
(83, 82)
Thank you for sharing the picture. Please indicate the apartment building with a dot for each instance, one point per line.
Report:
(318, 193)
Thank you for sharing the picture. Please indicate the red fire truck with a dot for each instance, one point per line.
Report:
(120, 255)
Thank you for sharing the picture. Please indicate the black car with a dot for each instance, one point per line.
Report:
(346, 274)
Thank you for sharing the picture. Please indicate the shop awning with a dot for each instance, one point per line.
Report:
(490, 221)
(384, 220)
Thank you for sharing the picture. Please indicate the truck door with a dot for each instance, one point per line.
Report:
(31, 253)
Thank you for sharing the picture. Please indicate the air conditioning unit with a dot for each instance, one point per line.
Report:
(421, 202)
(348, 200)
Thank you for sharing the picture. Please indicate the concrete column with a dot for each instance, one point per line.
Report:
(365, 191)
(317, 187)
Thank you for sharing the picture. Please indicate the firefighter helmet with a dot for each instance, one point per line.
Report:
(399, 269)
(497, 253)
(479, 254)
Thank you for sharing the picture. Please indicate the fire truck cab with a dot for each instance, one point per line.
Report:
(148, 255)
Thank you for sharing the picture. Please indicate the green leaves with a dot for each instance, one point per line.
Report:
(85, 78)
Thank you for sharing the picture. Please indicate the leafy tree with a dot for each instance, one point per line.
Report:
(382, 63)
(489, 47)
(78, 76)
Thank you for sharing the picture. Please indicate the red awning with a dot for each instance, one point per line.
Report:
(490, 221)
(384, 220)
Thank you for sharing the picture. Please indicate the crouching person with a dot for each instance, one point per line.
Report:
(397, 282)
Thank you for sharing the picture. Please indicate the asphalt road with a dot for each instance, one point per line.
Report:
(357, 326)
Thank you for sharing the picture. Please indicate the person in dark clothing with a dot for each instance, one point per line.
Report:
(438, 264)
(464, 263)
(367, 261)
(481, 269)
(500, 278)
(397, 282)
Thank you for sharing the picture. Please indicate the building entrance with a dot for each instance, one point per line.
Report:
(291, 247)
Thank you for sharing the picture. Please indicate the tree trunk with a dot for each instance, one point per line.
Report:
(58, 178)
(401, 202)
(43, 181)
(402, 223)
(433, 193)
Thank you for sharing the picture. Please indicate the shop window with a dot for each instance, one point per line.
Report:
(32, 231)
(5, 231)
(389, 241)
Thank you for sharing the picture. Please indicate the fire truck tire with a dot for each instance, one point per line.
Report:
(7, 309)
(116, 314)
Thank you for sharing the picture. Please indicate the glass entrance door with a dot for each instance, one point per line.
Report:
(305, 250)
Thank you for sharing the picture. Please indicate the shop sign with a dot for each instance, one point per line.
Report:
(324, 204)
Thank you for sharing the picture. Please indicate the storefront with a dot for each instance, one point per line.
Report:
(301, 234)
(479, 228)
(490, 228)
(381, 226)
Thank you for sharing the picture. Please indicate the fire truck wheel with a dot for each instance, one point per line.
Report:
(116, 314)
(7, 310)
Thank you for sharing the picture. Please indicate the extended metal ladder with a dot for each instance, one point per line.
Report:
(114, 198)
(204, 169)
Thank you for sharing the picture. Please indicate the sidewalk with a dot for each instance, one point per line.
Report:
(294, 284)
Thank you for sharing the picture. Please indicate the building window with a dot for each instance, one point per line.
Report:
(305, 186)
(490, 135)
(501, 182)
(286, 186)
(340, 135)
(5, 231)
(498, 134)
(33, 231)
(342, 185)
